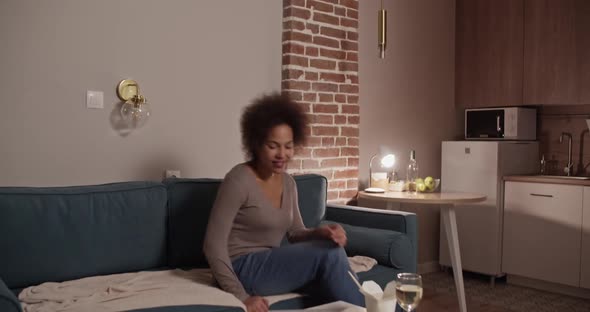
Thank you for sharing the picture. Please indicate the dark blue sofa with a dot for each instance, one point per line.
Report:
(64, 233)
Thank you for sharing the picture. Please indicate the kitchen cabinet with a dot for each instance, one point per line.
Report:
(550, 52)
(489, 47)
(585, 258)
(583, 50)
(522, 52)
(542, 231)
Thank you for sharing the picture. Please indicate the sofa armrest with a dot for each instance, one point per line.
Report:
(393, 220)
(8, 301)
(389, 248)
(375, 221)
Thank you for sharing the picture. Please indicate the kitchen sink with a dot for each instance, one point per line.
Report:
(562, 177)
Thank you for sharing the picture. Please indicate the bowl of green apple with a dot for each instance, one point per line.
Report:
(427, 185)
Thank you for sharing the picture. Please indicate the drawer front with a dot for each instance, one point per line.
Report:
(542, 231)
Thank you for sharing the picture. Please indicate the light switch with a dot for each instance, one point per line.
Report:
(94, 99)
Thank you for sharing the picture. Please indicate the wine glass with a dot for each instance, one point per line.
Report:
(408, 290)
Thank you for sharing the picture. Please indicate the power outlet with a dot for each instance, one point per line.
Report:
(172, 173)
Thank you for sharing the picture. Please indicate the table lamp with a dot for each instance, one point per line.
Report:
(387, 161)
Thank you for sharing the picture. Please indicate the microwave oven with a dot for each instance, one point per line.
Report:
(505, 123)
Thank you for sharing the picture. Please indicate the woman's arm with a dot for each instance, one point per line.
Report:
(299, 233)
(230, 198)
(333, 232)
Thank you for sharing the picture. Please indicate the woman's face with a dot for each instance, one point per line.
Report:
(277, 150)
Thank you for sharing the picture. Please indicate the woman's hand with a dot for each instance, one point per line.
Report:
(256, 304)
(333, 232)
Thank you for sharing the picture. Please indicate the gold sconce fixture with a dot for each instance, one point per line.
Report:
(382, 30)
(135, 109)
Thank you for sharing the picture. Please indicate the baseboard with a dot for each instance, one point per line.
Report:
(548, 286)
(428, 267)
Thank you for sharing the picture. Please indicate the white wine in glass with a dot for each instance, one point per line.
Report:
(408, 290)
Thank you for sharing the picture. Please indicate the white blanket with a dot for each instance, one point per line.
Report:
(128, 291)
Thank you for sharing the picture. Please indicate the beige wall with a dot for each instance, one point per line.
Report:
(407, 99)
(197, 62)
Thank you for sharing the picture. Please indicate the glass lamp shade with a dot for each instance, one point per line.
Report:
(380, 172)
(135, 114)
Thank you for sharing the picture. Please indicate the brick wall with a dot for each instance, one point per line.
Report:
(320, 71)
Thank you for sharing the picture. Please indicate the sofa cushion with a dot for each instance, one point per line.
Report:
(299, 303)
(190, 308)
(190, 202)
(189, 205)
(312, 191)
(64, 233)
(379, 274)
(8, 301)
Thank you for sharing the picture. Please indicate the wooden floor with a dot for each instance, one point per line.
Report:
(440, 296)
(445, 302)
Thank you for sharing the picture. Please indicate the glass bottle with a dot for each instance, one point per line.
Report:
(412, 173)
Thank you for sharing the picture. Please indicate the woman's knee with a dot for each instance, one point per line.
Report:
(337, 255)
(333, 255)
(326, 253)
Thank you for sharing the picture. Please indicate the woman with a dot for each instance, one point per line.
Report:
(256, 207)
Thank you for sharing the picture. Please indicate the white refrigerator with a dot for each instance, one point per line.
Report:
(478, 167)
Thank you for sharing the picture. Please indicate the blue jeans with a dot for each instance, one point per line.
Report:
(319, 268)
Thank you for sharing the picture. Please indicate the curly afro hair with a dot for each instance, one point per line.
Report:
(265, 113)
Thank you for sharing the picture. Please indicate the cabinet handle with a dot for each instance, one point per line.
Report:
(541, 195)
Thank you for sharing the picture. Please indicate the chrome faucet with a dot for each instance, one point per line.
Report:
(570, 166)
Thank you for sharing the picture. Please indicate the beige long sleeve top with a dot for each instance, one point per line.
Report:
(243, 220)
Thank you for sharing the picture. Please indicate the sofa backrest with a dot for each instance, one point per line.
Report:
(312, 191)
(189, 206)
(190, 202)
(64, 233)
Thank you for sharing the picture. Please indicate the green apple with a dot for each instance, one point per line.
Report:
(421, 187)
(419, 180)
(429, 182)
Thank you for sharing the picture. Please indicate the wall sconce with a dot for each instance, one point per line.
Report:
(382, 30)
(379, 181)
(135, 109)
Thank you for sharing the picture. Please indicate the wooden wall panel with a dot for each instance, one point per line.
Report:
(550, 52)
(489, 45)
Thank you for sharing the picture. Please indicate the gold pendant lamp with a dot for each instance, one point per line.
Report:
(382, 30)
